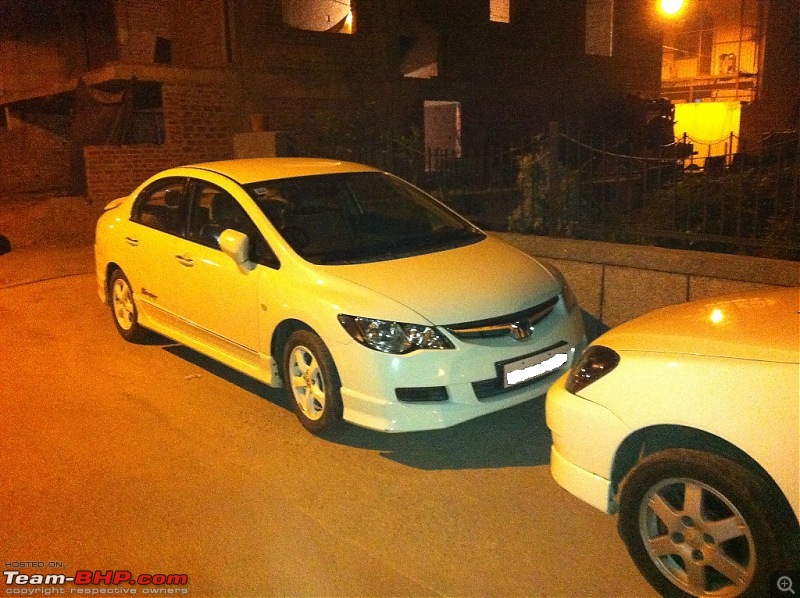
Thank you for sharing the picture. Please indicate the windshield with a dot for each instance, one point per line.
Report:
(359, 217)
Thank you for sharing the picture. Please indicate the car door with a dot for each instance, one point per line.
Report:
(221, 297)
(155, 244)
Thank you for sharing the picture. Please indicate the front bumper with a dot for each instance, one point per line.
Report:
(586, 437)
(462, 405)
(464, 375)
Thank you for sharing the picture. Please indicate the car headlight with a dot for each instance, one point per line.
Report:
(596, 362)
(393, 337)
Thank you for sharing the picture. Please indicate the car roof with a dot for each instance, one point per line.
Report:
(251, 170)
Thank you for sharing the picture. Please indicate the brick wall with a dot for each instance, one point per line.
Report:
(198, 120)
(199, 41)
(195, 29)
(139, 22)
(33, 159)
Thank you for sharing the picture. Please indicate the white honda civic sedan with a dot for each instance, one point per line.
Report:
(369, 300)
(686, 421)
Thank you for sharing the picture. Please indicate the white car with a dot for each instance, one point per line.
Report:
(368, 299)
(686, 422)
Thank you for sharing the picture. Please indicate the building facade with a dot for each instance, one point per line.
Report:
(731, 69)
(98, 94)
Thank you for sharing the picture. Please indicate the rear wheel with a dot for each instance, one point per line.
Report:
(312, 382)
(123, 308)
(697, 524)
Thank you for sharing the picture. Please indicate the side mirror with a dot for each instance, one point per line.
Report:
(235, 245)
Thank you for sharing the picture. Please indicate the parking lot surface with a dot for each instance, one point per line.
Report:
(155, 460)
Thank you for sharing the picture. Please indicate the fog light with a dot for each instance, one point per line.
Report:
(421, 394)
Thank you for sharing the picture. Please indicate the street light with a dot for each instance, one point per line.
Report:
(671, 7)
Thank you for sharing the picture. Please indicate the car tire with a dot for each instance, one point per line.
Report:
(312, 382)
(124, 310)
(695, 522)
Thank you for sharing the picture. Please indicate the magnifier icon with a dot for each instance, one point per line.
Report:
(785, 584)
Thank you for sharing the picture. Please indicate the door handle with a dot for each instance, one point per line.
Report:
(132, 241)
(185, 260)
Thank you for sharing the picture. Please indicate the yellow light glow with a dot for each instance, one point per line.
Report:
(717, 316)
(348, 23)
(710, 122)
(671, 7)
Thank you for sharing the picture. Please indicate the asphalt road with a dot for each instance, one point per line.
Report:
(155, 460)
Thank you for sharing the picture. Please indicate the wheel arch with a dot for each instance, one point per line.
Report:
(281, 335)
(654, 439)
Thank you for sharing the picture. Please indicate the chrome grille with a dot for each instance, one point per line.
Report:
(503, 325)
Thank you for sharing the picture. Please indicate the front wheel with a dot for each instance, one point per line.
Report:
(697, 524)
(312, 382)
(123, 308)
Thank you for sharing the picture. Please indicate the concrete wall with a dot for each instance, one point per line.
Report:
(615, 283)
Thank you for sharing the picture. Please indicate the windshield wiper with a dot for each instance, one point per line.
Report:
(442, 238)
(405, 247)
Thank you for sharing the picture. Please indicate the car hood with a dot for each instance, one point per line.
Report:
(475, 282)
(760, 325)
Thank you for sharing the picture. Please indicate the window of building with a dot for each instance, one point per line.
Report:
(117, 113)
(600, 27)
(419, 54)
(500, 11)
(147, 114)
(695, 43)
(331, 16)
(442, 133)
(712, 52)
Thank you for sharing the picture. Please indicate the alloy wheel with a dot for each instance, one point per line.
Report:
(308, 386)
(122, 300)
(697, 538)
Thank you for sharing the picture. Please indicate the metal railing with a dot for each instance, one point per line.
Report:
(746, 203)
(743, 202)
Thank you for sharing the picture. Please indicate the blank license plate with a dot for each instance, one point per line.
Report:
(533, 366)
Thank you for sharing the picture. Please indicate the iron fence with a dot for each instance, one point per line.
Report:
(747, 203)
(744, 202)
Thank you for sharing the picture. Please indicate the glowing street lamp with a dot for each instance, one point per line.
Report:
(671, 7)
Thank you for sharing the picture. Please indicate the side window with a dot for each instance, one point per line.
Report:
(213, 210)
(160, 206)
